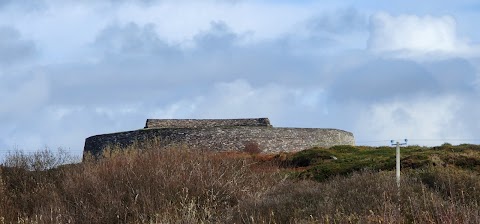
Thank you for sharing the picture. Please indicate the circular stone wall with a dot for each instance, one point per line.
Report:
(268, 139)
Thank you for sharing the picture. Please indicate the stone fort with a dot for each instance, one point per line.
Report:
(221, 135)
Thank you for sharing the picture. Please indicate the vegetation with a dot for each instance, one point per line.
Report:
(342, 184)
(321, 163)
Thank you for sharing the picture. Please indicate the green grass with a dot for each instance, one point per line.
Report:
(322, 163)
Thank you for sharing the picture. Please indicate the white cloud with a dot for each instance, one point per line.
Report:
(414, 36)
(233, 99)
(242, 17)
(240, 98)
(422, 119)
(109, 65)
(56, 27)
(178, 110)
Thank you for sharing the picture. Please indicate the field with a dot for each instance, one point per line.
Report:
(342, 184)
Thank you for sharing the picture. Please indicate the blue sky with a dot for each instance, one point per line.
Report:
(380, 69)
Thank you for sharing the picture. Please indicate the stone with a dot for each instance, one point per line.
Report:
(221, 135)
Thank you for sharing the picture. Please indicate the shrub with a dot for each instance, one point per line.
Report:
(252, 148)
(452, 183)
(344, 149)
(308, 157)
(40, 160)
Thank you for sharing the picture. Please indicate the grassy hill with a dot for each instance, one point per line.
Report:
(342, 184)
(320, 163)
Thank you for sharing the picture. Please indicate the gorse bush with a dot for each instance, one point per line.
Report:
(179, 185)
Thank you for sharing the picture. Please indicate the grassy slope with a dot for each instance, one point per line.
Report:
(319, 163)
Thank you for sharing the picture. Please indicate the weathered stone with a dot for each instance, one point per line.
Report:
(206, 123)
(222, 135)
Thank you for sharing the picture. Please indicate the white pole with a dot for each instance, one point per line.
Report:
(398, 164)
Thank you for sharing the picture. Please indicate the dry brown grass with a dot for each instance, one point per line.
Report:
(152, 186)
(186, 186)
(164, 186)
(364, 197)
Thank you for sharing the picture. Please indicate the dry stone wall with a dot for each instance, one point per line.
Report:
(206, 123)
(222, 138)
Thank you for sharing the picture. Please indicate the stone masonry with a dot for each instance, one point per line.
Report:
(206, 123)
(221, 135)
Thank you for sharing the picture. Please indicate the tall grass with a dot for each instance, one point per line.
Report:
(186, 186)
(151, 186)
(366, 197)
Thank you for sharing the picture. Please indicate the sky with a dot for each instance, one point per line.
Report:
(379, 69)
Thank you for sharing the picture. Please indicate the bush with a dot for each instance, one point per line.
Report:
(452, 183)
(308, 157)
(252, 148)
(39, 160)
(344, 149)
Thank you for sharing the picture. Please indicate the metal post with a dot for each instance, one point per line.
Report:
(398, 144)
(398, 164)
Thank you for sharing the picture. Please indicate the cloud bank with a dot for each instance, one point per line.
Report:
(414, 36)
(99, 67)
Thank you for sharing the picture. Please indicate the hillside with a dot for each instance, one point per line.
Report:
(320, 163)
(342, 184)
